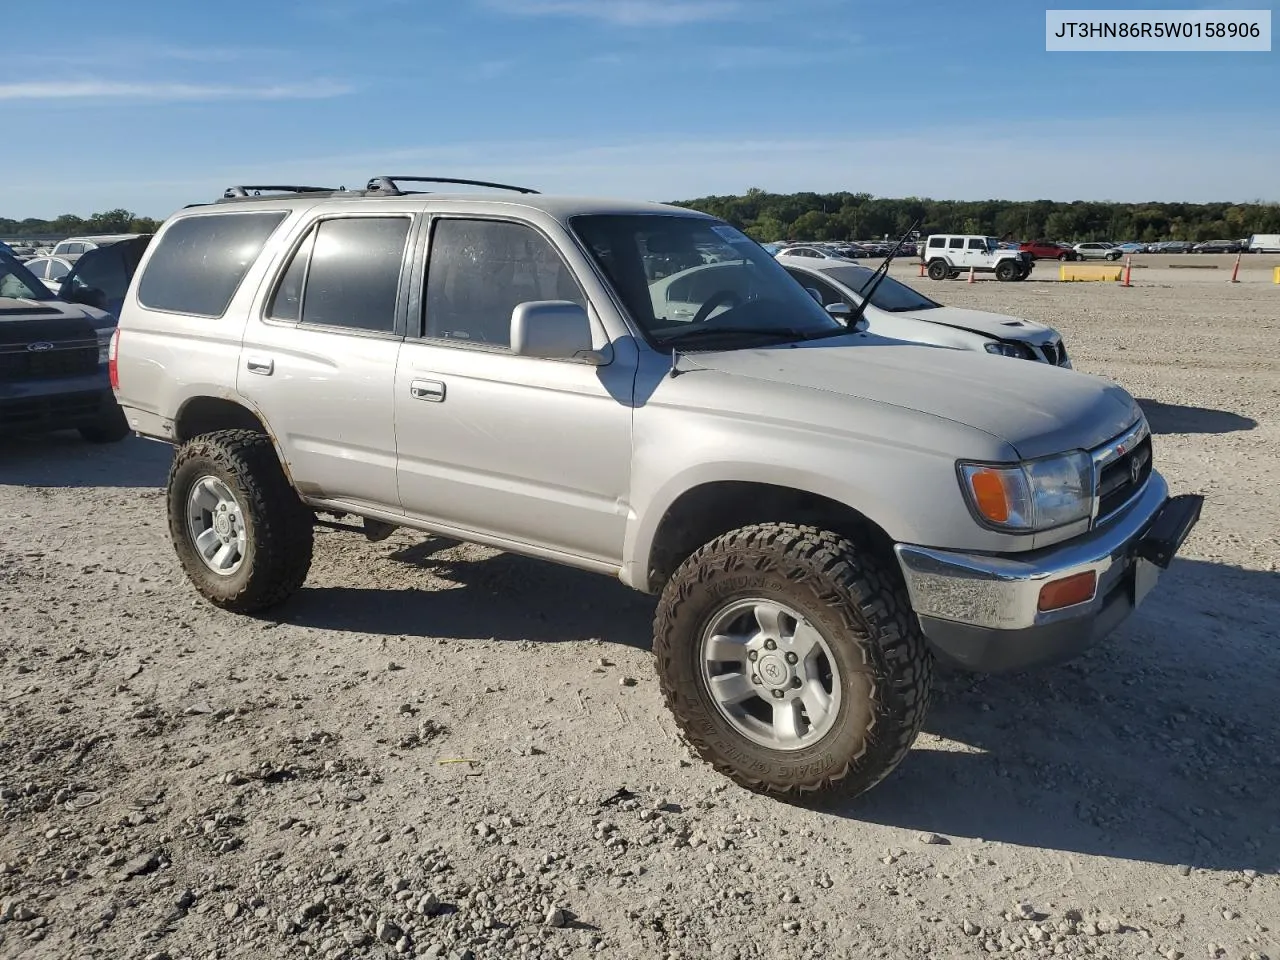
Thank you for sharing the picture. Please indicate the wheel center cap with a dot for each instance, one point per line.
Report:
(773, 670)
(222, 524)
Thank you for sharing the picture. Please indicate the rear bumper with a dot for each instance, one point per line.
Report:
(983, 611)
(36, 406)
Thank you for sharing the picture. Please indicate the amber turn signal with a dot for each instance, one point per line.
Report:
(1068, 591)
(990, 493)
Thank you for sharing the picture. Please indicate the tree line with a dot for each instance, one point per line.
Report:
(67, 225)
(860, 216)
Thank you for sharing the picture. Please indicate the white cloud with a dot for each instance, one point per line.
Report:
(114, 90)
(627, 13)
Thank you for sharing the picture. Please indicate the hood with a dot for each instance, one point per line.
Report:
(12, 308)
(1037, 409)
(994, 325)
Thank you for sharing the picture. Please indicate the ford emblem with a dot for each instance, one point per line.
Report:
(40, 346)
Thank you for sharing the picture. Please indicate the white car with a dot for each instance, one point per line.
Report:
(50, 271)
(900, 312)
(73, 248)
(808, 252)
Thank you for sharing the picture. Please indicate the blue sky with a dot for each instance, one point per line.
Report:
(151, 104)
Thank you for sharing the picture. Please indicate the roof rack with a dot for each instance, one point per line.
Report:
(255, 190)
(390, 185)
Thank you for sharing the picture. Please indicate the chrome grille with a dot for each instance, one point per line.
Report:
(1054, 352)
(1121, 470)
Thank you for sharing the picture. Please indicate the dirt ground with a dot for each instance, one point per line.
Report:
(178, 782)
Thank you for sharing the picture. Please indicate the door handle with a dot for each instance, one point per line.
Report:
(260, 365)
(431, 390)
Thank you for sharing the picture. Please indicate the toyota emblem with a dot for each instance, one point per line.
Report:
(40, 346)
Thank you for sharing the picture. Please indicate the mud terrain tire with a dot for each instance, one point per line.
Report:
(277, 527)
(863, 615)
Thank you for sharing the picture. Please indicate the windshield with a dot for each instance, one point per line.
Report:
(891, 296)
(18, 282)
(685, 279)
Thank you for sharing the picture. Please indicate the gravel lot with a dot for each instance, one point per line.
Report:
(178, 782)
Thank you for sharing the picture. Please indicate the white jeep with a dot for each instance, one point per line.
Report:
(949, 255)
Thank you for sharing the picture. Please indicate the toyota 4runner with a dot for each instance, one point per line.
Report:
(948, 256)
(641, 391)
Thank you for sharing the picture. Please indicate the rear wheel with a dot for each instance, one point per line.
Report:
(242, 535)
(791, 660)
(938, 270)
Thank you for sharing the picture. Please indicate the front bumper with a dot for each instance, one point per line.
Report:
(982, 611)
(36, 406)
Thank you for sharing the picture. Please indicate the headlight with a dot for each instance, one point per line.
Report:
(1015, 350)
(104, 343)
(1033, 495)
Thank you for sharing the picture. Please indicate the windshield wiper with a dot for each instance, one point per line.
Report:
(702, 332)
(873, 282)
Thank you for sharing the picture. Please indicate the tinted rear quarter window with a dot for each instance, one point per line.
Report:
(201, 260)
(354, 276)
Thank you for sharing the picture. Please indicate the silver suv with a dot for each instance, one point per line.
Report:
(641, 391)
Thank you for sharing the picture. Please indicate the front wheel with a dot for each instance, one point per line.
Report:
(111, 427)
(242, 535)
(1007, 270)
(791, 660)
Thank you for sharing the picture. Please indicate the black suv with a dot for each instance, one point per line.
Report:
(53, 361)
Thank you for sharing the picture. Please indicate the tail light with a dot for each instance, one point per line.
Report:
(113, 370)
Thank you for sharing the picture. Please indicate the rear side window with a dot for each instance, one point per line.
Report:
(201, 260)
(353, 279)
(955, 243)
(937, 243)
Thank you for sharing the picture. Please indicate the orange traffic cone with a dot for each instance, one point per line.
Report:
(1128, 272)
(922, 268)
(1235, 271)
(971, 274)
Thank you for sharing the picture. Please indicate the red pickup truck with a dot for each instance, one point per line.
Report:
(1048, 250)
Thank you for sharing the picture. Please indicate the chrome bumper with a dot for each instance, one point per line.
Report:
(984, 610)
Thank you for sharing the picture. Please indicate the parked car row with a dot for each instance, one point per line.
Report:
(71, 249)
(1039, 249)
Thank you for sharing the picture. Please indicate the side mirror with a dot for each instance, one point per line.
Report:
(840, 310)
(553, 330)
(89, 296)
